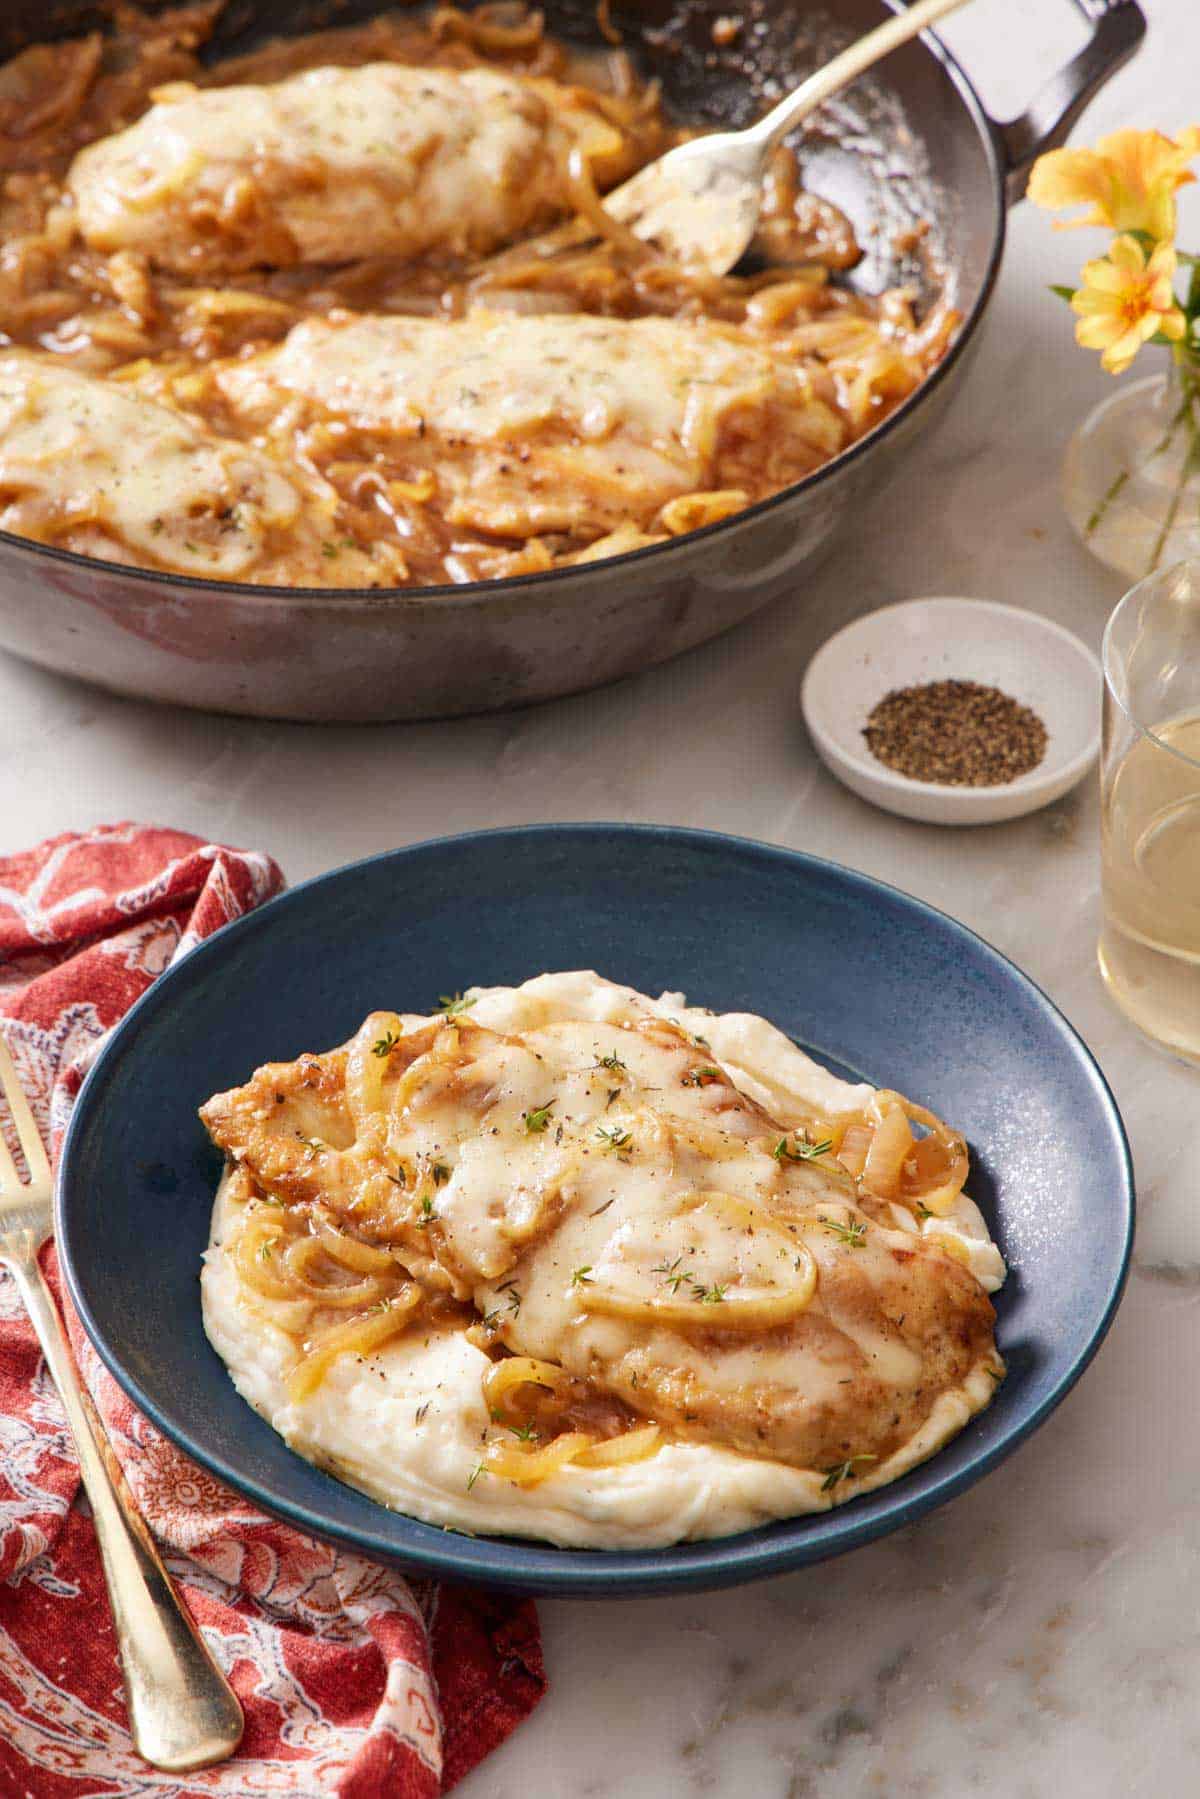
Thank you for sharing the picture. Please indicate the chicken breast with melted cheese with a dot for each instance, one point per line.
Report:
(629, 1227)
(93, 465)
(338, 163)
(521, 425)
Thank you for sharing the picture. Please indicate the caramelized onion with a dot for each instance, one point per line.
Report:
(632, 1446)
(365, 1070)
(504, 1377)
(485, 32)
(364, 1258)
(298, 1259)
(852, 1150)
(526, 1467)
(433, 1069)
(358, 1336)
(889, 1147)
(931, 1178)
(586, 201)
(255, 1253)
(761, 1311)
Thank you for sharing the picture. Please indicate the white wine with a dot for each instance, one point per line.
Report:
(1150, 942)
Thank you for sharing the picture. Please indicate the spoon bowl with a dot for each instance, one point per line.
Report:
(699, 204)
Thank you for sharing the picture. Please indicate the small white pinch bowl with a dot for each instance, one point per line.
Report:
(1030, 658)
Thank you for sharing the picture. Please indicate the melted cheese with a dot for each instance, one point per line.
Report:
(335, 164)
(551, 422)
(93, 465)
(524, 1209)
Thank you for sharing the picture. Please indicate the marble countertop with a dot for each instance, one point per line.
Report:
(1038, 1636)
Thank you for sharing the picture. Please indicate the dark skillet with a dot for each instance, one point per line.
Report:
(923, 149)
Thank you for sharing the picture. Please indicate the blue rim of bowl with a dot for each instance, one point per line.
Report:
(531, 1566)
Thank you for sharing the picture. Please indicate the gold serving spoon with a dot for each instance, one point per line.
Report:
(183, 1714)
(700, 202)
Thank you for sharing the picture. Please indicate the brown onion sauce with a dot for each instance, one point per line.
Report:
(107, 312)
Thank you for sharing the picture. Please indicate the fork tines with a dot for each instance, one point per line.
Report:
(28, 1136)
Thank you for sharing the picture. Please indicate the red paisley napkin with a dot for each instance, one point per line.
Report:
(355, 1682)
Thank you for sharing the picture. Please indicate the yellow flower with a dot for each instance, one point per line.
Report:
(1125, 299)
(1128, 181)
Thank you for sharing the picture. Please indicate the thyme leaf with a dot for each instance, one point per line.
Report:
(514, 1297)
(801, 1150)
(701, 1077)
(853, 1234)
(843, 1471)
(671, 1274)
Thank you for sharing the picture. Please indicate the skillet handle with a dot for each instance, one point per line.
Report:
(1118, 27)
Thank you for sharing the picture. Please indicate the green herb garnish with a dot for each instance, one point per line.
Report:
(671, 1274)
(453, 1003)
(701, 1077)
(854, 1233)
(514, 1297)
(801, 1150)
(538, 1118)
(843, 1471)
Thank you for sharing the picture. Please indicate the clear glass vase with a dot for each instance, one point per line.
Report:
(1131, 476)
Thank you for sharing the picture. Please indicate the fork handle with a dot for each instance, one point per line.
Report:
(848, 67)
(182, 1712)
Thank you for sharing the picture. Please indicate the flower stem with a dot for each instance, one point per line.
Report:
(1191, 460)
(1118, 482)
(1106, 499)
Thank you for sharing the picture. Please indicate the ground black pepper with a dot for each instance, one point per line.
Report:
(955, 733)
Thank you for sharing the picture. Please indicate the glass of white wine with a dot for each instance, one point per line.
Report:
(1150, 793)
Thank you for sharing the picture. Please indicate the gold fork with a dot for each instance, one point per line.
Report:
(182, 1712)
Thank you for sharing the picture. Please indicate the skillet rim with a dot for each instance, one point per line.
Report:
(529, 1565)
(370, 599)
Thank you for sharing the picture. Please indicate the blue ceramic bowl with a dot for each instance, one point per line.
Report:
(873, 982)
